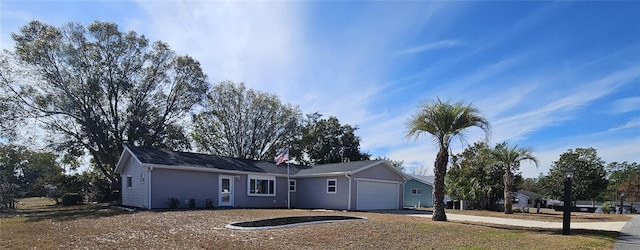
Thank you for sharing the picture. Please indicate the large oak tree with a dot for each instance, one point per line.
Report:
(244, 123)
(95, 89)
(326, 140)
(589, 178)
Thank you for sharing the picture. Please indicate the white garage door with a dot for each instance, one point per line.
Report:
(373, 195)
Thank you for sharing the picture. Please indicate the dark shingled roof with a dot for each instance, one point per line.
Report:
(186, 159)
(174, 158)
(337, 167)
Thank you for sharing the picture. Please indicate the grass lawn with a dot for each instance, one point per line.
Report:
(97, 227)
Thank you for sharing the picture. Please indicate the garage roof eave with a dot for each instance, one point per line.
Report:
(322, 174)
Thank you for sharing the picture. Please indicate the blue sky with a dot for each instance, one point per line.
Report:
(547, 75)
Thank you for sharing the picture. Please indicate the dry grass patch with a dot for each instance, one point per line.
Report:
(34, 203)
(205, 229)
(35, 209)
(550, 238)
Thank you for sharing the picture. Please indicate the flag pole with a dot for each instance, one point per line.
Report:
(288, 185)
(288, 188)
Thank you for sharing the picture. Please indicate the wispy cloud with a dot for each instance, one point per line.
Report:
(493, 105)
(520, 125)
(416, 156)
(629, 124)
(480, 82)
(625, 105)
(386, 132)
(528, 22)
(431, 46)
(252, 42)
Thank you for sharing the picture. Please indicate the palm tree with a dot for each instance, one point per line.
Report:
(443, 121)
(509, 159)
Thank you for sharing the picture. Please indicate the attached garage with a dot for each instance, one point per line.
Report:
(377, 194)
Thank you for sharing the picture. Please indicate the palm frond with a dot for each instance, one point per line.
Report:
(445, 121)
(510, 157)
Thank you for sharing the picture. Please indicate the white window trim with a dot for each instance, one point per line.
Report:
(416, 189)
(129, 181)
(260, 177)
(295, 185)
(335, 187)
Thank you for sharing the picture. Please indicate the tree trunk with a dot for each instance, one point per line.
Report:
(440, 170)
(508, 196)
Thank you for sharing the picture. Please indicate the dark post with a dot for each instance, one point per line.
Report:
(621, 203)
(566, 216)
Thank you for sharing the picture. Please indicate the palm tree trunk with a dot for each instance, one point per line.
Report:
(508, 198)
(440, 170)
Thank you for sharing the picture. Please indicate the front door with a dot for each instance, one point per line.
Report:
(226, 191)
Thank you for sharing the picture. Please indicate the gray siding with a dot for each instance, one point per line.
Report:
(138, 194)
(312, 193)
(183, 185)
(242, 198)
(378, 172)
(425, 200)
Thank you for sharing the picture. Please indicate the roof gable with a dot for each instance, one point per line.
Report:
(337, 168)
(422, 178)
(346, 168)
(124, 157)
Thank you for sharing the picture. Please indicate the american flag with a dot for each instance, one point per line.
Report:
(284, 156)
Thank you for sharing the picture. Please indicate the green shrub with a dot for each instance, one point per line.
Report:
(192, 203)
(606, 207)
(70, 199)
(208, 203)
(173, 203)
(497, 207)
(114, 196)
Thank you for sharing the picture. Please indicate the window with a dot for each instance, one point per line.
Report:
(292, 185)
(261, 186)
(129, 181)
(416, 191)
(332, 186)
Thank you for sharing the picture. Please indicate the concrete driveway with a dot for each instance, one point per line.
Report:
(629, 237)
(605, 226)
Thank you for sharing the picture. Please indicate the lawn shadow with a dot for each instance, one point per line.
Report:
(612, 235)
(627, 238)
(66, 213)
